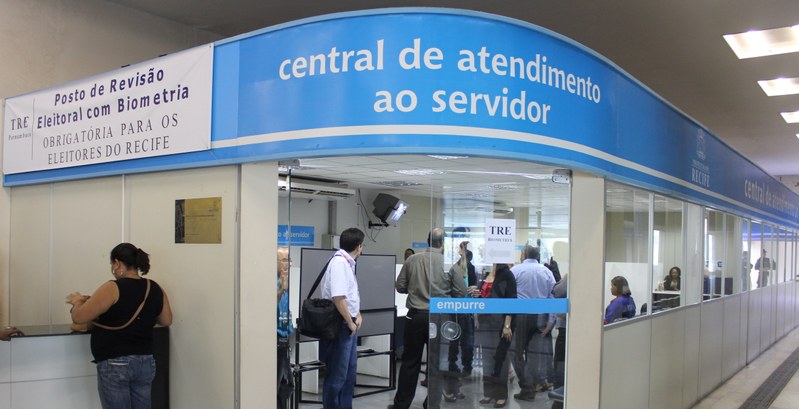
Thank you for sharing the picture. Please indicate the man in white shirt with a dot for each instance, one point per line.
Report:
(340, 354)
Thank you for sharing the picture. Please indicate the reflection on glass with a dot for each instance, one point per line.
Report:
(627, 233)
(746, 258)
(667, 253)
(765, 264)
(720, 246)
(539, 212)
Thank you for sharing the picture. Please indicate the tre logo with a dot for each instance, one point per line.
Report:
(503, 230)
(19, 123)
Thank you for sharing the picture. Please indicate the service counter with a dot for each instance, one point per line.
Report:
(51, 367)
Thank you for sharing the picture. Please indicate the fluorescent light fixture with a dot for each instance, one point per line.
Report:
(764, 42)
(780, 86)
(791, 117)
(447, 157)
(419, 172)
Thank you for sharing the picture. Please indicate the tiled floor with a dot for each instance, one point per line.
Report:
(736, 391)
(471, 387)
(731, 395)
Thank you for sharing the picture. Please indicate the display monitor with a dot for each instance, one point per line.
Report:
(389, 208)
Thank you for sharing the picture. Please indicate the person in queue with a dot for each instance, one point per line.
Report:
(560, 290)
(285, 381)
(341, 354)
(124, 312)
(408, 252)
(494, 333)
(423, 276)
(463, 346)
(8, 332)
(622, 306)
(533, 357)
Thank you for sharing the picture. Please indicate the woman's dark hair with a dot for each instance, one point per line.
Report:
(622, 287)
(350, 239)
(679, 272)
(131, 256)
(667, 280)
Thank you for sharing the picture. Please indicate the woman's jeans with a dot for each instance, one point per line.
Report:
(125, 382)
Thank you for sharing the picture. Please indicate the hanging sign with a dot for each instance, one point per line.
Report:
(500, 241)
(155, 108)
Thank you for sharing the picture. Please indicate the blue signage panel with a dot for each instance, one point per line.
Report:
(499, 305)
(407, 81)
(296, 236)
(419, 245)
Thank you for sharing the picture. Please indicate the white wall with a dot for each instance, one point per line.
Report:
(61, 238)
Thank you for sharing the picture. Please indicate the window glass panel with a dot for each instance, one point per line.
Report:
(765, 262)
(791, 259)
(667, 253)
(782, 255)
(746, 256)
(694, 253)
(713, 284)
(627, 238)
(795, 264)
(732, 258)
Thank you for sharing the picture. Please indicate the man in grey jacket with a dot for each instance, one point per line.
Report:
(422, 277)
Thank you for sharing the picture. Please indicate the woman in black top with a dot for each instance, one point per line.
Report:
(495, 333)
(122, 337)
(672, 281)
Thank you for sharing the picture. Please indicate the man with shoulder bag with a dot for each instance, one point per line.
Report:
(340, 354)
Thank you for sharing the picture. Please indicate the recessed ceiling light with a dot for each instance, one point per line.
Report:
(764, 42)
(791, 117)
(398, 183)
(780, 86)
(503, 186)
(419, 172)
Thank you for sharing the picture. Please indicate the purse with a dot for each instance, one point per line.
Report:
(135, 314)
(319, 317)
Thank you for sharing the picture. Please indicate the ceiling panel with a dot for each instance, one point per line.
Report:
(495, 184)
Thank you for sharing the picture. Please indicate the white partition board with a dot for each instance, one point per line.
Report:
(52, 357)
(625, 365)
(78, 392)
(710, 345)
(731, 340)
(668, 360)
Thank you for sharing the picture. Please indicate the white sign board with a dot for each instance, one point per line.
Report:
(158, 107)
(500, 244)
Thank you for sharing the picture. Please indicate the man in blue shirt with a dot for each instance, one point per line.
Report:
(533, 280)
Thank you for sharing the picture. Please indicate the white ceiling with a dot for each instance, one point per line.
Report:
(471, 188)
(673, 46)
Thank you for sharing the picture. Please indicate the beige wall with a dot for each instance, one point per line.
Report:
(49, 42)
(62, 234)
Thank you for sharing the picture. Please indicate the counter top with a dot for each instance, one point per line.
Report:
(53, 330)
(45, 330)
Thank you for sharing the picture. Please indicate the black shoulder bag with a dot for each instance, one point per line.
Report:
(319, 317)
